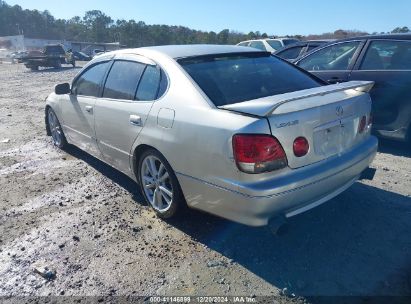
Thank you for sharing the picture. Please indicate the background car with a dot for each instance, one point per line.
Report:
(299, 49)
(81, 56)
(232, 131)
(269, 45)
(385, 59)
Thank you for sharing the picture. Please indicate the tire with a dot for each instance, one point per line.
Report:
(57, 64)
(158, 183)
(59, 140)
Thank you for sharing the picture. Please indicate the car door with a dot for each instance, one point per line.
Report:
(129, 91)
(78, 107)
(332, 63)
(388, 63)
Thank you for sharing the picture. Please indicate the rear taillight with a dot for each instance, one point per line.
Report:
(258, 153)
(300, 146)
(362, 124)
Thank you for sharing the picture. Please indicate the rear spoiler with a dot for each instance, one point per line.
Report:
(267, 105)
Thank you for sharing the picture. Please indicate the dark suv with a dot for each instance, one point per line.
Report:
(385, 59)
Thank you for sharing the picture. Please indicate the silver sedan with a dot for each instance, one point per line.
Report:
(230, 130)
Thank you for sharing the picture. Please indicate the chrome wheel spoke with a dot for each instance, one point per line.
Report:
(165, 191)
(148, 182)
(54, 128)
(152, 166)
(164, 177)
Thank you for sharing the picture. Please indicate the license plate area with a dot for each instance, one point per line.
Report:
(334, 137)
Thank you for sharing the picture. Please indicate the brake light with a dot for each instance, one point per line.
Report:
(300, 146)
(258, 153)
(362, 124)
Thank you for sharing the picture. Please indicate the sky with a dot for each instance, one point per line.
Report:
(275, 17)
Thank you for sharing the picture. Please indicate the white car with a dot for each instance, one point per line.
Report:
(269, 45)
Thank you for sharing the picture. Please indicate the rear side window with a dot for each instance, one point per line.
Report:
(243, 43)
(89, 83)
(290, 53)
(228, 79)
(258, 45)
(275, 44)
(149, 84)
(123, 79)
(388, 55)
(334, 57)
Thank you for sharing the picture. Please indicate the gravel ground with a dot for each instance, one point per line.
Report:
(77, 216)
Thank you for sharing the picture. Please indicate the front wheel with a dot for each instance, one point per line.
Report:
(56, 131)
(159, 184)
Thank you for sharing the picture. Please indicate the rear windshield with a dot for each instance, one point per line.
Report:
(233, 78)
(54, 49)
(290, 41)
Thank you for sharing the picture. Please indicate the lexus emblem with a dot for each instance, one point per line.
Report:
(339, 111)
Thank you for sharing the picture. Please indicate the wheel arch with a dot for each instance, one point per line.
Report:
(138, 151)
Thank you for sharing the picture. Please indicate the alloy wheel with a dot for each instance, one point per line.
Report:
(156, 182)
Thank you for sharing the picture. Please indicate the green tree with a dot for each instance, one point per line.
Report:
(97, 24)
(403, 29)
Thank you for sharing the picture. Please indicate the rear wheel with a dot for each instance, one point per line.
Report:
(159, 184)
(56, 131)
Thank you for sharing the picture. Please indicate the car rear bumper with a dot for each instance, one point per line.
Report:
(302, 189)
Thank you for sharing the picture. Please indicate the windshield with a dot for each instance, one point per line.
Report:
(233, 78)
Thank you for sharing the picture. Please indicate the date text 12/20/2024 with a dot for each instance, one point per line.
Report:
(202, 299)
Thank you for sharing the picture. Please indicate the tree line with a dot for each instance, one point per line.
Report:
(96, 26)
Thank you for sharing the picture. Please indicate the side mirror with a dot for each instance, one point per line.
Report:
(62, 88)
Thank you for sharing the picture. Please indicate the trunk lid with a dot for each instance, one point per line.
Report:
(328, 117)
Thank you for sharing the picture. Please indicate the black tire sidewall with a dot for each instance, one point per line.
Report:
(178, 202)
(63, 142)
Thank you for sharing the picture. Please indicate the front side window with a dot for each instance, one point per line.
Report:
(333, 57)
(89, 83)
(233, 78)
(149, 84)
(387, 55)
(122, 80)
(257, 45)
(290, 53)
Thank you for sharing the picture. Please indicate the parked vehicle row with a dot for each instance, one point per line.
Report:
(269, 44)
(52, 55)
(384, 59)
(232, 131)
(297, 50)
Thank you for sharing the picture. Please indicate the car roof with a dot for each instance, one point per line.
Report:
(406, 36)
(191, 50)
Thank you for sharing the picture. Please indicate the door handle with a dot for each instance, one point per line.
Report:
(334, 80)
(135, 120)
(89, 109)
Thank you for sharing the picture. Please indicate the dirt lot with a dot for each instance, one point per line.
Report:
(74, 214)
